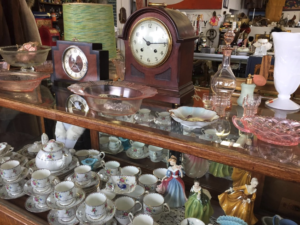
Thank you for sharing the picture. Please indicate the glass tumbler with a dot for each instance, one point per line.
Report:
(220, 103)
(251, 104)
(207, 100)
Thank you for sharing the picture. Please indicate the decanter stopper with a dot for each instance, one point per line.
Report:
(228, 38)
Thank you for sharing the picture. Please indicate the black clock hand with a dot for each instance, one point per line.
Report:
(160, 43)
(147, 42)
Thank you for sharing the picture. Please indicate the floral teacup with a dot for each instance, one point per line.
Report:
(96, 205)
(66, 214)
(149, 182)
(154, 205)
(125, 205)
(64, 192)
(121, 184)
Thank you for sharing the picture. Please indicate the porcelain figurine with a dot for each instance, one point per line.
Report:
(220, 170)
(240, 177)
(198, 204)
(239, 202)
(172, 186)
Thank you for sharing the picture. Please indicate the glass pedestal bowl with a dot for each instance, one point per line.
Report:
(24, 59)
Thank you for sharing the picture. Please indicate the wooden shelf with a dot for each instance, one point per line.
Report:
(47, 3)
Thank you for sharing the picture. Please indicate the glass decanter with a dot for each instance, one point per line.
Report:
(224, 80)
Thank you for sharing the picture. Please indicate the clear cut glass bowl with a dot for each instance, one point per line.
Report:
(272, 130)
(118, 98)
(24, 59)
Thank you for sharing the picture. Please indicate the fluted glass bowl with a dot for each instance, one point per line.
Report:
(24, 59)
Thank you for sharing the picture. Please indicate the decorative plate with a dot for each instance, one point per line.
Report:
(82, 217)
(108, 151)
(23, 175)
(143, 156)
(54, 220)
(54, 204)
(5, 195)
(193, 117)
(30, 206)
(95, 180)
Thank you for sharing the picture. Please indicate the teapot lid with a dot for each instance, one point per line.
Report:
(35, 147)
(53, 146)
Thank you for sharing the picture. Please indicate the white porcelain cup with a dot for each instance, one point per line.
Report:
(160, 173)
(10, 170)
(131, 171)
(149, 182)
(83, 174)
(125, 205)
(114, 144)
(104, 142)
(141, 219)
(138, 194)
(144, 114)
(193, 221)
(82, 154)
(40, 179)
(66, 214)
(112, 168)
(14, 188)
(154, 205)
(96, 154)
(138, 148)
(155, 153)
(40, 201)
(64, 192)
(96, 205)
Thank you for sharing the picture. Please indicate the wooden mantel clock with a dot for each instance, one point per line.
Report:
(159, 49)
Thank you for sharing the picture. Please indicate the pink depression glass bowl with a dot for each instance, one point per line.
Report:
(272, 130)
(118, 98)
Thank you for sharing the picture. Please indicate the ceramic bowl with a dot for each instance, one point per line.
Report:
(230, 220)
(195, 117)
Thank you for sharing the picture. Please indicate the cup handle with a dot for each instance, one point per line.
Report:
(101, 155)
(146, 192)
(72, 151)
(55, 181)
(119, 145)
(138, 203)
(166, 208)
(156, 114)
(140, 171)
(130, 216)
(131, 142)
(235, 122)
(31, 171)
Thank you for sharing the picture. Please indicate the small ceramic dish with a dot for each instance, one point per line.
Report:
(30, 206)
(54, 204)
(95, 180)
(121, 184)
(54, 220)
(82, 217)
(23, 175)
(5, 195)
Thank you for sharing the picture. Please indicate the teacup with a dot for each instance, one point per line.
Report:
(138, 148)
(96, 205)
(83, 174)
(40, 179)
(131, 171)
(125, 205)
(149, 182)
(10, 170)
(82, 154)
(64, 192)
(140, 219)
(114, 144)
(122, 183)
(194, 221)
(40, 201)
(66, 214)
(160, 173)
(104, 142)
(163, 118)
(109, 194)
(155, 153)
(144, 114)
(14, 188)
(138, 193)
(125, 142)
(112, 168)
(96, 154)
(154, 205)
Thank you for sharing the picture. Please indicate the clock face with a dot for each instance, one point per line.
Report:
(77, 104)
(150, 42)
(75, 63)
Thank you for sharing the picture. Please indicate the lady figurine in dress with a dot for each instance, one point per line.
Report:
(239, 201)
(172, 186)
(198, 205)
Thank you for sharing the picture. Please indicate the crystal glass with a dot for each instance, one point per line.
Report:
(207, 100)
(250, 104)
(220, 103)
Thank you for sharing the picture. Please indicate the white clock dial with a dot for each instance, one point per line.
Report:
(75, 63)
(77, 104)
(150, 42)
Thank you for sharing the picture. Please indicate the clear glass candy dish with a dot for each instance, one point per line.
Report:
(116, 98)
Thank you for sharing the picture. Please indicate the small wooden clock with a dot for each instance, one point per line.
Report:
(159, 49)
(79, 62)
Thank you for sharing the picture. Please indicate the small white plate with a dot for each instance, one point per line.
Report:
(54, 220)
(5, 195)
(22, 176)
(30, 206)
(80, 214)
(95, 180)
(130, 155)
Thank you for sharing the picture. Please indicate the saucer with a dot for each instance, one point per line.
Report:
(30, 206)
(143, 156)
(16, 156)
(23, 175)
(5, 195)
(54, 204)
(24, 151)
(95, 180)
(83, 218)
(29, 190)
(102, 173)
(54, 220)
(108, 151)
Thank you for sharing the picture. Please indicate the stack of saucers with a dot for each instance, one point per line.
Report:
(13, 176)
(85, 178)
(63, 201)
(38, 188)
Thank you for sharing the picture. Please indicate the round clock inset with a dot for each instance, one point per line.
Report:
(76, 103)
(150, 42)
(75, 63)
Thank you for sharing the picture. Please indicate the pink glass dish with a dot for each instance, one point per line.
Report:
(21, 81)
(117, 98)
(272, 130)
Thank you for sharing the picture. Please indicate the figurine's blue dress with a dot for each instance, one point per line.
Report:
(173, 189)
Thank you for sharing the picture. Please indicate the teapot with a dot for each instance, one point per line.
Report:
(53, 156)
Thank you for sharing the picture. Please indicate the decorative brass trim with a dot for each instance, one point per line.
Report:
(157, 4)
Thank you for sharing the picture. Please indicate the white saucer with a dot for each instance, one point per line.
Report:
(29, 190)
(108, 151)
(22, 176)
(30, 206)
(5, 195)
(54, 220)
(95, 181)
(129, 154)
(54, 204)
(82, 217)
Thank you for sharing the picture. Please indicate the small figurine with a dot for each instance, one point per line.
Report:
(172, 186)
(240, 177)
(214, 21)
(198, 204)
(220, 170)
(239, 201)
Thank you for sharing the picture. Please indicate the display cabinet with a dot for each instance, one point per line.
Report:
(278, 174)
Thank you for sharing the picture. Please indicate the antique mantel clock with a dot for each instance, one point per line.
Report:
(159, 48)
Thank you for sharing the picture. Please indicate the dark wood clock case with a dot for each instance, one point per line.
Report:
(173, 79)
(98, 64)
